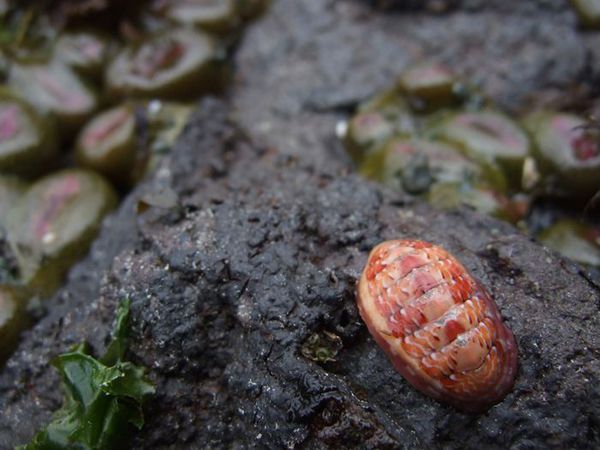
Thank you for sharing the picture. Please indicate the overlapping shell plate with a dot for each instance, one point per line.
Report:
(438, 325)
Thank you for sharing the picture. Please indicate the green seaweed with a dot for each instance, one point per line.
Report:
(103, 397)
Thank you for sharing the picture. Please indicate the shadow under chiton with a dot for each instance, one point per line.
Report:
(438, 325)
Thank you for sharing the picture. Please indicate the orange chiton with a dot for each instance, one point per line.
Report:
(438, 325)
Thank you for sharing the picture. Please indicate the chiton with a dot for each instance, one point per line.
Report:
(438, 325)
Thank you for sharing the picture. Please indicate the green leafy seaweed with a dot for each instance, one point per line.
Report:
(103, 398)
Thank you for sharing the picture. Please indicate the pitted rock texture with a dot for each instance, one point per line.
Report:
(228, 286)
(263, 250)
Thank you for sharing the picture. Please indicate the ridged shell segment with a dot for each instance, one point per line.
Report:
(439, 326)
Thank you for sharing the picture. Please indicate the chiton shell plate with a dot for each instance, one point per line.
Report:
(438, 325)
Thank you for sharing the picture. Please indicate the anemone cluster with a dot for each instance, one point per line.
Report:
(85, 112)
(431, 135)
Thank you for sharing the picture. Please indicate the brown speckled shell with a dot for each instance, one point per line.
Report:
(438, 325)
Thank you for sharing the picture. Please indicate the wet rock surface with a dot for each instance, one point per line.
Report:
(270, 232)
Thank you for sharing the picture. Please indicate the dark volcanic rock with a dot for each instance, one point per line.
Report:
(229, 286)
(263, 250)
